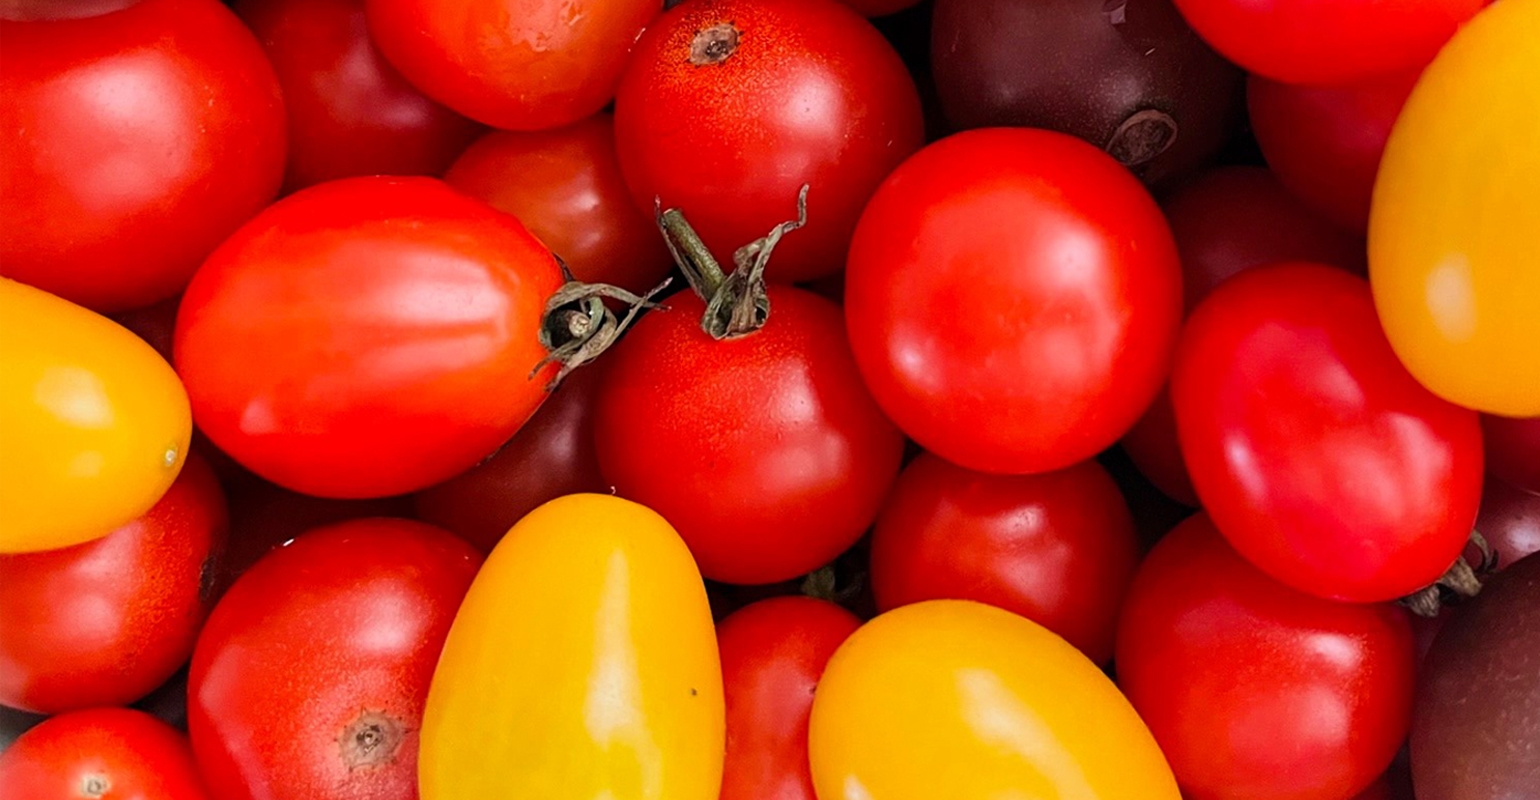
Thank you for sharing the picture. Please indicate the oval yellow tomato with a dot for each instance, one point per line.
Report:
(958, 700)
(1453, 254)
(583, 664)
(94, 424)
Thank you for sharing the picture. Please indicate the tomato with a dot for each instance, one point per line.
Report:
(773, 653)
(101, 754)
(623, 701)
(1313, 42)
(1256, 691)
(131, 143)
(880, 8)
(565, 185)
(350, 112)
(730, 106)
(1057, 548)
(765, 451)
(1013, 297)
(1509, 522)
(367, 337)
(1513, 449)
(955, 699)
(309, 678)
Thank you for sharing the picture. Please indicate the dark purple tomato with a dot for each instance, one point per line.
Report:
(1509, 521)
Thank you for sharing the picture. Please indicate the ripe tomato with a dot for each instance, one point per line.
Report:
(131, 143)
(1013, 297)
(309, 678)
(1509, 522)
(1513, 449)
(1256, 691)
(101, 754)
(730, 106)
(565, 185)
(367, 337)
(773, 653)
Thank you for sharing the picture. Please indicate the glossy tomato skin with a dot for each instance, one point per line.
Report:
(1513, 449)
(1509, 522)
(1012, 298)
(131, 144)
(1319, 457)
(792, 92)
(367, 337)
(1254, 690)
(565, 186)
(101, 754)
(310, 677)
(765, 451)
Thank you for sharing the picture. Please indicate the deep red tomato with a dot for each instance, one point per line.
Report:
(765, 452)
(350, 112)
(131, 144)
(730, 106)
(773, 653)
(310, 678)
(105, 622)
(1057, 548)
(1319, 456)
(1513, 449)
(1509, 521)
(367, 337)
(1013, 297)
(565, 186)
(1256, 691)
(101, 754)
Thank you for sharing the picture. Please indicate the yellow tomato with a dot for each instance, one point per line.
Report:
(958, 700)
(94, 424)
(1453, 254)
(583, 664)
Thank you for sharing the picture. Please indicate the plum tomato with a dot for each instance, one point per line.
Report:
(101, 754)
(1513, 449)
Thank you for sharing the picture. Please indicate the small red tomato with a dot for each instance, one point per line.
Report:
(1256, 691)
(773, 653)
(101, 754)
(1057, 548)
(310, 678)
(730, 106)
(1513, 449)
(1509, 522)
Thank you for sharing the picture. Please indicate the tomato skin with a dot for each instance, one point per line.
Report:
(386, 329)
(1509, 521)
(879, 8)
(970, 330)
(810, 94)
(131, 143)
(1254, 690)
(1513, 449)
(72, 756)
(765, 451)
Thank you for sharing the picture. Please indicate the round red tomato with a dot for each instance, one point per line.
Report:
(1513, 449)
(350, 112)
(729, 107)
(773, 653)
(367, 337)
(1013, 297)
(310, 678)
(1319, 456)
(131, 144)
(1256, 691)
(101, 754)
(1057, 548)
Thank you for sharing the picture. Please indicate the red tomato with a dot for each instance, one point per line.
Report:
(1057, 548)
(565, 185)
(105, 622)
(765, 452)
(1513, 449)
(350, 112)
(514, 64)
(1012, 297)
(1509, 521)
(773, 653)
(1325, 142)
(101, 754)
(131, 144)
(367, 337)
(310, 678)
(1256, 691)
(730, 106)
(1319, 456)
(1315, 42)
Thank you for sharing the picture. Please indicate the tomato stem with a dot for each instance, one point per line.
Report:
(1460, 582)
(578, 326)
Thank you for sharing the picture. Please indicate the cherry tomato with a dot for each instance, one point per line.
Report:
(1256, 691)
(131, 143)
(310, 677)
(1509, 522)
(1513, 449)
(730, 106)
(101, 754)
(1013, 297)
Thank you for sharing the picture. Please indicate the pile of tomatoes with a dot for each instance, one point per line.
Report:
(769, 399)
